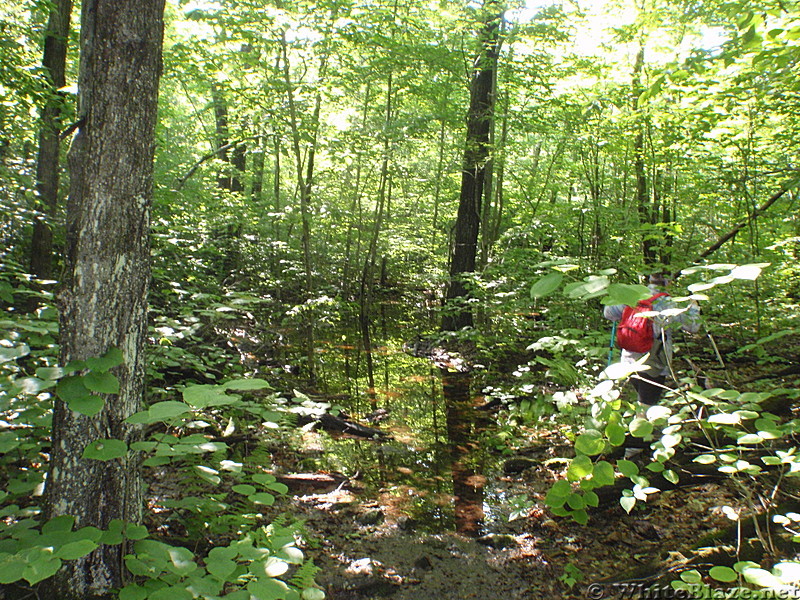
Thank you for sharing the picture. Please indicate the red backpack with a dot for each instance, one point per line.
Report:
(635, 333)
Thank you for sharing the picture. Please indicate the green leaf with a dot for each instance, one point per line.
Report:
(58, 524)
(560, 488)
(106, 450)
(112, 358)
(580, 467)
(263, 478)
(75, 550)
(628, 468)
(51, 373)
(175, 592)
(166, 411)
(203, 396)
(546, 285)
(182, 561)
(89, 533)
(312, 594)
(603, 474)
(750, 439)
(40, 566)
(9, 354)
(32, 386)
(592, 287)
(244, 489)
(72, 388)
(136, 532)
(102, 383)
(622, 293)
(591, 499)
(262, 498)
(590, 442)
(627, 502)
(692, 576)
(113, 535)
(705, 459)
(557, 495)
(242, 385)
(133, 592)
(616, 434)
(720, 573)
(575, 501)
(160, 412)
(641, 428)
(221, 568)
(11, 568)
(89, 406)
(581, 517)
(267, 589)
(279, 488)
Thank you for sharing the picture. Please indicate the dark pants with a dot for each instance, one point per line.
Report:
(648, 387)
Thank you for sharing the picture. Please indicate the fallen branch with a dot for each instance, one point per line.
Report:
(739, 226)
(182, 180)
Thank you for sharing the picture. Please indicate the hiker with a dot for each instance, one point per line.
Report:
(649, 384)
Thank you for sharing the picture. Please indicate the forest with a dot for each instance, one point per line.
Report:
(305, 300)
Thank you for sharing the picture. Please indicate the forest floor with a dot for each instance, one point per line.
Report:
(367, 549)
(369, 543)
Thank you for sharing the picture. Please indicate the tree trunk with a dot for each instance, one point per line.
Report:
(367, 276)
(476, 153)
(54, 62)
(104, 298)
(231, 178)
(646, 217)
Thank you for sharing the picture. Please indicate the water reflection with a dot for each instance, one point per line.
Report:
(429, 475)
(464, 426)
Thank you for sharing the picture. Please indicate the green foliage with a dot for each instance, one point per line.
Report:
(266, 561)
(520, 507)
(257, 564)
(746, 442)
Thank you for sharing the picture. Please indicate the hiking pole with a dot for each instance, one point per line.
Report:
(719, 356)
(611, 343)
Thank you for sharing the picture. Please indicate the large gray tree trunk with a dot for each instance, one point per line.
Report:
(104, 296)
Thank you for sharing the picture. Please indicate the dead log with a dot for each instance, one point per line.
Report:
(344, 425)
(312, 483)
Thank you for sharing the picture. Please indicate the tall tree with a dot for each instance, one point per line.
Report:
(54, 61)
(647, 215)
(473, 172)
(104, 297)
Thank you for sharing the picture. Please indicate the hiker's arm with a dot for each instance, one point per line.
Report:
(613, 313)
(690, 320)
